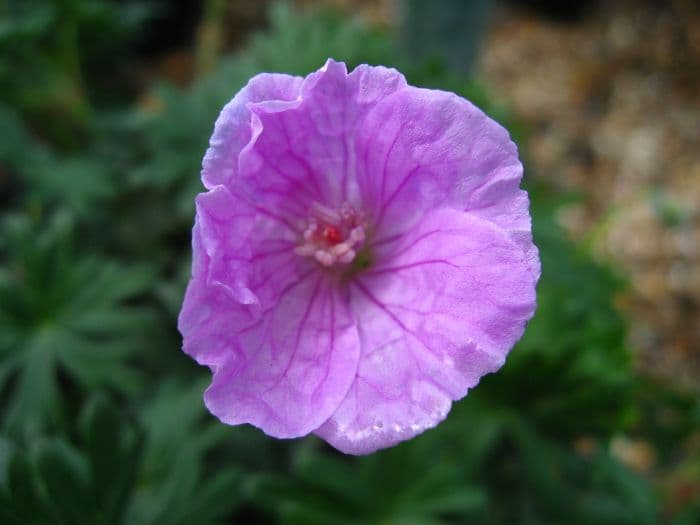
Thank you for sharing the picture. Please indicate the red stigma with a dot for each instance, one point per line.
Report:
(331, 235)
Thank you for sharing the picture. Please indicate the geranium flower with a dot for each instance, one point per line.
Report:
(362, 256)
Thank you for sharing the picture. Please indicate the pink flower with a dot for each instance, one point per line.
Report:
(362, 256)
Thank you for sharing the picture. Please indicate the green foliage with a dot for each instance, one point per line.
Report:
(63, 310)
(122, 472)
(406, 485)
(571, 371)
(485, 464)
(298, 44)
(80, 183)
(175, 485)
(45, 45)
(101, 418)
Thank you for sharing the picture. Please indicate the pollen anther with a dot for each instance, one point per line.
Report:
(332, 236)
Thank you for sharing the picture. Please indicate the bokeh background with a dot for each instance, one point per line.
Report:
(105, 112)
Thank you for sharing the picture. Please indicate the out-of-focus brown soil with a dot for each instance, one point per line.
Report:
(613, 104)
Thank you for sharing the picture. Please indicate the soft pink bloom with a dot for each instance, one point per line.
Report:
(362, 256)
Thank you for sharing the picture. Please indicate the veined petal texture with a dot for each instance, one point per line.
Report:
(362, 257)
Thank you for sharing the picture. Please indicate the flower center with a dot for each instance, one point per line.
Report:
(332, 236)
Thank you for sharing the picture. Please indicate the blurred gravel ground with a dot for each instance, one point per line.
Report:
(612, 103)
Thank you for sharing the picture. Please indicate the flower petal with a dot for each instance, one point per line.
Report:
(232, 129)
(422, 148)
(274, 329)
(225, 290)
(302, 151)
(442, 308)
(373, 358)
(288, 372)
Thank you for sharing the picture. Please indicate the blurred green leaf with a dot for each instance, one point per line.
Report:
(114, 451)
(20, 502)
(411, 483)
(65, 482)
(47, 45)
(174, 487)
(53, 309)
(119, 473)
